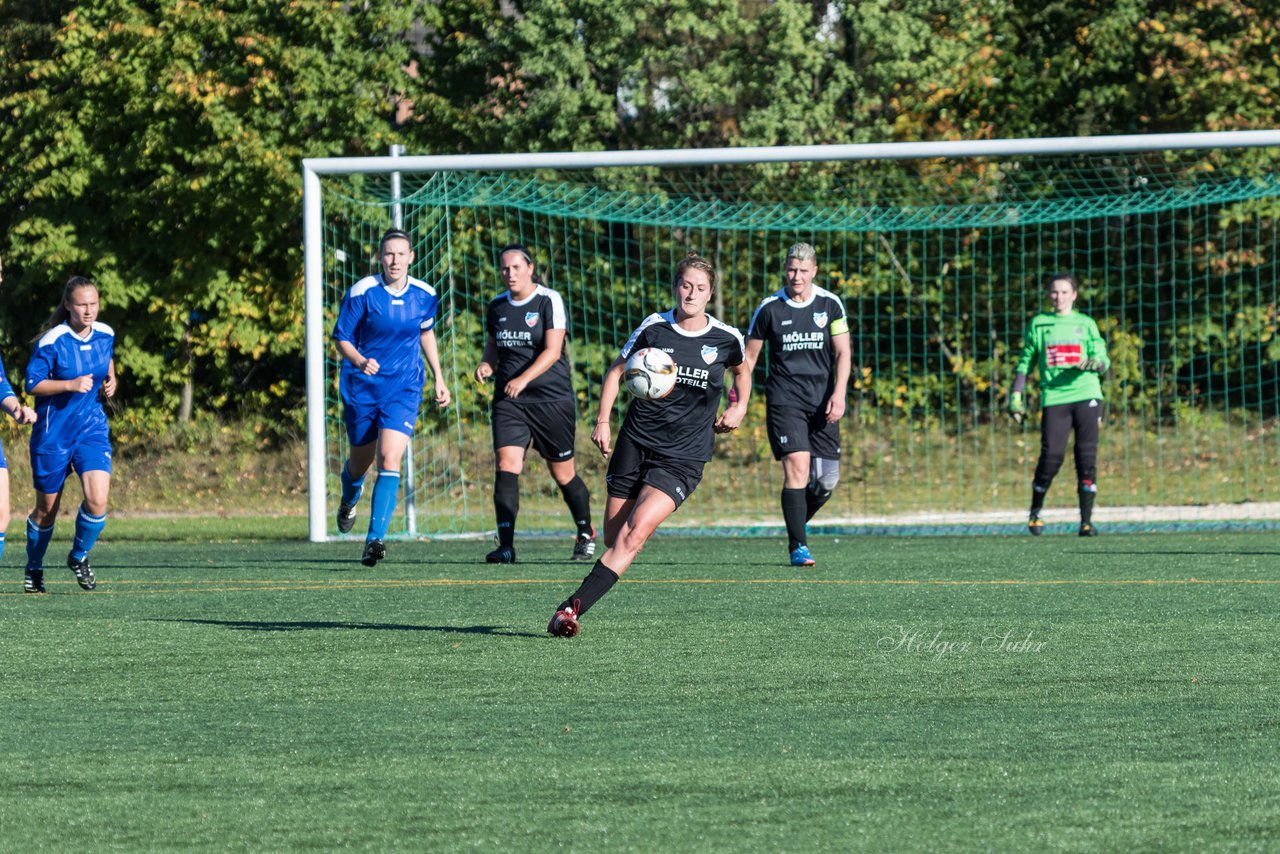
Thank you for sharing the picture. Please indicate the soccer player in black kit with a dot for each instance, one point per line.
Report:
(663, 444)
(533, 400)
(809, 354)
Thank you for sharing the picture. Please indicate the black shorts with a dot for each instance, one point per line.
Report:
(550, 426)
(792, 430)
(631, 467)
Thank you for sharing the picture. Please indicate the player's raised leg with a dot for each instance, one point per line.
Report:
(824, 474)
(354, 471)
(647, 511)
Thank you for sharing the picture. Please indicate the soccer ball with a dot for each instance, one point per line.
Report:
(650, 374)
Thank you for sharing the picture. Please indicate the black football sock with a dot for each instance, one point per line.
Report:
(1088, 493)
(793, 510)
(1037, 498)
(814, 497)
(578, 499)
(506, 504)
(597, 583)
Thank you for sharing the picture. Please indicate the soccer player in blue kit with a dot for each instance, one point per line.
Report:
(73, 361)
(663, 444)
(23, 415)
(384, 321)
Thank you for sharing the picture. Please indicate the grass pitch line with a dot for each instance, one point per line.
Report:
(275, 586)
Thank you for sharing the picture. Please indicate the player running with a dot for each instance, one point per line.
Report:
(22, 415)
(384, 322)
(533, 400)
(15, 409)
(663, 444)
(72, 362)
(1072, 356)
(807, 332)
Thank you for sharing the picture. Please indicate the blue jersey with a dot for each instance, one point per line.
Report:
(70, 416)
(6, 390)
(385, 326)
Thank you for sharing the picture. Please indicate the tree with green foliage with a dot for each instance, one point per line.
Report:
(155, 148)
(155, 145)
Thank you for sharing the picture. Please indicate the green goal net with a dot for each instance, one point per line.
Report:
(940, 264)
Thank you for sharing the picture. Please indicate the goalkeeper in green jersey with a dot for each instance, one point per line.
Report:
(1072, 357)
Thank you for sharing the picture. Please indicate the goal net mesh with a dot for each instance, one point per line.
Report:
(940, 264)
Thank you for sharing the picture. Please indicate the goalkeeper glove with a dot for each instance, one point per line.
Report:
(1017, 407)
(1096, 366)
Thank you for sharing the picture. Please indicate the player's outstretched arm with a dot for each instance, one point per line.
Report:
(19, 413)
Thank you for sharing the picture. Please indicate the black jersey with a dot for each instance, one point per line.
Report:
(801, 356)
(520, 331)
(680, 425)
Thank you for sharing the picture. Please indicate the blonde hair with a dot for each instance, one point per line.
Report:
(801, 252)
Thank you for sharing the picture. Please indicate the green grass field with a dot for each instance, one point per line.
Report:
(908, 694)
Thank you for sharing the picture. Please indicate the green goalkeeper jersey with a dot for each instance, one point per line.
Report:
(1058, 344)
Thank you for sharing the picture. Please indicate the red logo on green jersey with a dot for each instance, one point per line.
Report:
(1063, 355)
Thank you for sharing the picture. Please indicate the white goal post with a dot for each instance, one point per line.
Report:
(314, 169)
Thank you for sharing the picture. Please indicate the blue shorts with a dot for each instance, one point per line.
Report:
(4, 464)
(365, 422)
(49, 469)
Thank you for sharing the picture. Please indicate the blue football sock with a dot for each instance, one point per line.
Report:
(88, 527)
(1, 544)
(37, 544)
(352, 489)
(385, 490)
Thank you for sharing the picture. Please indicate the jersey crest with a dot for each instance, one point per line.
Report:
(531, 318)
(709, 353)
(820, 319)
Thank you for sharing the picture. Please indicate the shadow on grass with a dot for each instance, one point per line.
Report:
(297, 626)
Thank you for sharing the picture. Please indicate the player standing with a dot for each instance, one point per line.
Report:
(663, 444)
(807, 332)
(72, 361)
(385, 321)
(1072, 356)
(533, 400)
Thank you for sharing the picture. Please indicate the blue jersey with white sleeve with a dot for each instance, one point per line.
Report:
(387, 326)
(67, 418)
